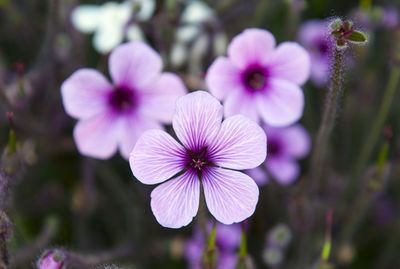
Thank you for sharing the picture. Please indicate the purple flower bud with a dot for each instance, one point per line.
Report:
(53, 259)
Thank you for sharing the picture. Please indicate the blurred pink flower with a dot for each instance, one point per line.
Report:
(227, 242)
(285, 146)
(314, 36)
(258, 79)
(51, 261)
(114, 116)
(207, 155)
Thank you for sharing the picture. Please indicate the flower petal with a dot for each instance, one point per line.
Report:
(176, 202)
(252, 46)
(146, 9)
(131, 128)
(240, 144)
(231, 196)
(107, 38)
(240, 102)
(197, 119)
(85, 18)
(158, 99)
(297, 142)
(223, 78)
(97, 136)
(290, 62)
(156, 157)
(284, 170)
(134, 64)
(134, 33)
(282, 104)
(258, 175)
(84, 93)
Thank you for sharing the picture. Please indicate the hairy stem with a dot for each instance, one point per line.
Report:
(332, 101)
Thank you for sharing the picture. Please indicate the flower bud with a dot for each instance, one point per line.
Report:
(279, 236)
(53, 259)
(272, 256)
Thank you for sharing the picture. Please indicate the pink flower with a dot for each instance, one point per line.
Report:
(227, 242)
(207, 155)
(113, 116)
(52, 260)
(285, 146)
(259, 80)
(314, 36)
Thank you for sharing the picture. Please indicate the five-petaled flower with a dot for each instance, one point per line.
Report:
(209, 154)
(259, 80)
(285, 146)
(112, 116)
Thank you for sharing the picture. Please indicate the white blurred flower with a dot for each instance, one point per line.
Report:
(108, 22)
(197, 12)
(190, 40)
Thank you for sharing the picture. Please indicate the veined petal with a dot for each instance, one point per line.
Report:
(84, 93)
(156, 157)
(134, 64)
(223, 78)
(282, 104)
(284, 170)
(176, 202)
(231, 196)
(131, 128)
(291, 62)
(197, 119)
(240, 144)
(158, 99)
(85, 18)
(97, 136)
(252, 46)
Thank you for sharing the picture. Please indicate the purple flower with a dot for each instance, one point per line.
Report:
(207, 155)
(285, 146)
(227, 241)
(314, 36)
(51, 260)
(259, 80)
(113, 116)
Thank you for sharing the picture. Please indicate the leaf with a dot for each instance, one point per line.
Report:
(356, 36)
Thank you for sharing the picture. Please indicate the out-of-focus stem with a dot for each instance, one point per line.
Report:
(321, 144)
(29, 251)
(4, 233)
(376, 128)
(79, 260)
(209, 254)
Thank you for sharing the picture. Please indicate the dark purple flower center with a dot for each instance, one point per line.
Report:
(198, 160)
(255, 78)
(122, 99)
(274, 148)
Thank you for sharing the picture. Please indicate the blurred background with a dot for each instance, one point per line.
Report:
(55, 197)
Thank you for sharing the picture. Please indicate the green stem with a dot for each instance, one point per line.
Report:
(243, 244)
(377, 126)
(201, 216)
(320, 147)
(209, 254)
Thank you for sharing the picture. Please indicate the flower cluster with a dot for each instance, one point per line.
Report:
(114, 115)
